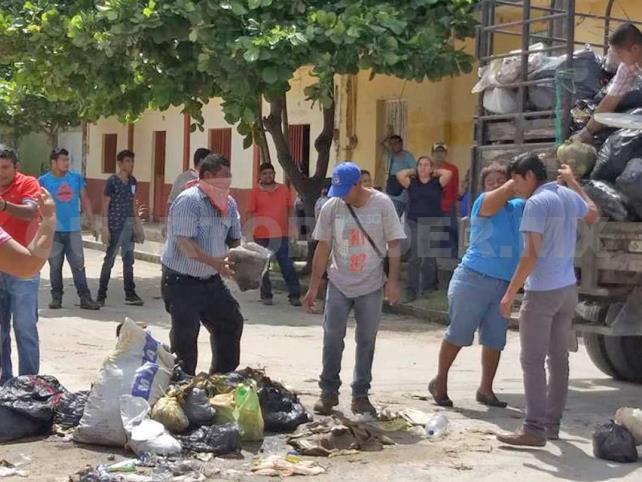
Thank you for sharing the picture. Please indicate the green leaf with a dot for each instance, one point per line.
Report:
(248, 141)
(270, 75)
(193, 35)
(252, 54)
(248, 116)
(254, 4)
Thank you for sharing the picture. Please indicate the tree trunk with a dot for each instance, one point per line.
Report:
(85, 148)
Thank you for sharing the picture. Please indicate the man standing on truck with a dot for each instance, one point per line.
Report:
(546, 270)
(626, 43)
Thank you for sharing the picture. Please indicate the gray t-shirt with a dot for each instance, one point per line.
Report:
(179, 184)
(355, 268)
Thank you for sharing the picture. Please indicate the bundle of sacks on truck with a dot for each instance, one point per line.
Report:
(143, 401)
(611, 168)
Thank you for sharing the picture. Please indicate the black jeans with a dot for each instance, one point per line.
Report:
(192, 301)
(68, 244)
(122, 238)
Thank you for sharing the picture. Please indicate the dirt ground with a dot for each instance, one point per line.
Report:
(287, 342)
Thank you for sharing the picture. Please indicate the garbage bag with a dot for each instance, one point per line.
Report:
(630, 184)
(587, 78)
(250, 264)
(145, 435)
(216, 439)
(631, 419)
(70, 409)
(617, 151)
(248, 411)
(282, 411)
(138, 366)
(500, 100)
(614, 442)
(224, 406)
(611, 203)
(198, 409)
(27, 406)
(579, 156)
(169, 412)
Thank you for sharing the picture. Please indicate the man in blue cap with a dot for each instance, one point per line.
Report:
(356, 228)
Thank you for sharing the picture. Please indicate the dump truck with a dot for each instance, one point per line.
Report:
(609, 254)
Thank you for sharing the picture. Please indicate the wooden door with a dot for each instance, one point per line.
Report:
(160, 202)
(299, 135)
(220, 142)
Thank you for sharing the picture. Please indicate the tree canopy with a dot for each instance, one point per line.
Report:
(121, 57)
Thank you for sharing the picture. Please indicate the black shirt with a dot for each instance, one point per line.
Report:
(424, 199)
(121, 207)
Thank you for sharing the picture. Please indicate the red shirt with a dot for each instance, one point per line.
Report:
(270, 211)
(23, 188)
(451, 191)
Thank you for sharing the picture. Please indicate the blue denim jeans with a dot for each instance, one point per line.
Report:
(280, 248)
(367, 312)
(19, 304)
(122, 238)
(68, 244)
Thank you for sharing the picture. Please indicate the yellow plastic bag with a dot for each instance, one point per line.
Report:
(248, 412)
(169, 412)
(224, 405)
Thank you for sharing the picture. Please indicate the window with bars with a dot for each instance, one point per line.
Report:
(220, 142)
(110, 146)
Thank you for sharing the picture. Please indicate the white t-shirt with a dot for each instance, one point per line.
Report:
(355, 268)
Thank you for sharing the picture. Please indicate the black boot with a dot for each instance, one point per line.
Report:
(86, 303)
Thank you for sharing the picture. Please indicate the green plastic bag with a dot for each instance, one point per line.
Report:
(248, 412)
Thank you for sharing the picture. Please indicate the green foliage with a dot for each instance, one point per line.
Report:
(120, 57)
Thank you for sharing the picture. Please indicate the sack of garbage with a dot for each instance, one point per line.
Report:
(500, 100)
(248, 412)
(631, 419)
(169, 412)
(250, 264)
(224, 406)
(216, 439)
(611, 203)
(27, 406)
(630, 184)
(617, 151)
(70, 409)
(143, 434)
(282, 411)
(511, 68)
(198, 409)
(614, 442)
(587, 75)
(138, 366)
(578, 155)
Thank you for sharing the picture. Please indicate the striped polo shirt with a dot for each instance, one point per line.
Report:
(192, 216)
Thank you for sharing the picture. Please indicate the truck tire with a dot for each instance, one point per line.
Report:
(625, 355)
(596, 350)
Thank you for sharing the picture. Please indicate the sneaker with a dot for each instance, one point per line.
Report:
(86, 303)
(56, 304)
(325, 403)
(362, 405)
(267, 301)
(134, 300)
(100, 299)
(295, 301)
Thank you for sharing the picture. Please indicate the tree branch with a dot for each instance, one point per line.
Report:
(323, 143)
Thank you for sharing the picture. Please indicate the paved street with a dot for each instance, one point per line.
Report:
(287, 342)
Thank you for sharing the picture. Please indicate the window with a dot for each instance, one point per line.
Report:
(300, 146)
(221, 142)
(110, 146)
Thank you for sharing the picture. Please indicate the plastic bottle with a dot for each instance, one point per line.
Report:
(437, 426)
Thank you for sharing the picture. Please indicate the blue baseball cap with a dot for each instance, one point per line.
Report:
(344, 177)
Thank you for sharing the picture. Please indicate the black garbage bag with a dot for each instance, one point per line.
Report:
(611, 203)
(617, 151)
(630, 184)
(70, 409)
(216, 439)
(614, 442)
(198, 409)
(27, 406)
(282, 411)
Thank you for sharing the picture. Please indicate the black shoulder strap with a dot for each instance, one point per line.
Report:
(365, 233)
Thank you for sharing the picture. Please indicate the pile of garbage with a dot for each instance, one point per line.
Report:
(618, 439)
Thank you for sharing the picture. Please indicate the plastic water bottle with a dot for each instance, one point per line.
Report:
(437, 426)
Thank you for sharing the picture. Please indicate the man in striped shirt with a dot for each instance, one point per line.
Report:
(203, 222)
(626, 43)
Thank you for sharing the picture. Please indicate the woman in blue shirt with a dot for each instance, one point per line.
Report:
(479, 282)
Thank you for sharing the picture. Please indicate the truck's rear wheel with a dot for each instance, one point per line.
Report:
(625, 355)
(596, 350)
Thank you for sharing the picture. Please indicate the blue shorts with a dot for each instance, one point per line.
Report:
(473, 304)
